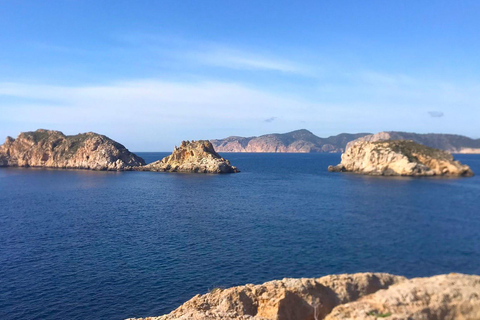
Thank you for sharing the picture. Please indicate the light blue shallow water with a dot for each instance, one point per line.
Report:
(108, 245)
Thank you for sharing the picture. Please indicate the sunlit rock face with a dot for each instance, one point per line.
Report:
(348, 296)
(192, 157)
(399, 158)
(53, 149)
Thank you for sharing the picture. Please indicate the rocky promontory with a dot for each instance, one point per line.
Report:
(399, 158)
(53, 149)
(192, 156)
(348, 296)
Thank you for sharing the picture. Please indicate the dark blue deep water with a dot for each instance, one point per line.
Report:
(109, 245)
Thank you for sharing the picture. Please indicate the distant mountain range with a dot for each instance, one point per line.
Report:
(303, 141)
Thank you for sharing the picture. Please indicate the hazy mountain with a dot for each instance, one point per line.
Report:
(304, 141)
(449, 142)
(296, 141)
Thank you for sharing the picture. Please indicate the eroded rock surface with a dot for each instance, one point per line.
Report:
(446, 297)
(357, 296)
(195, 156)
(53, 149)
(399, 158)
(287, 299)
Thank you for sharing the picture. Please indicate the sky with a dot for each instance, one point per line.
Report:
(150, 74)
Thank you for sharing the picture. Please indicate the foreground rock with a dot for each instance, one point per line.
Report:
(53, 149)
(356, 296)
(196, 156)
(399, 158)
(453, 296)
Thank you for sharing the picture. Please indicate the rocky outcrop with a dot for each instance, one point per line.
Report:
(53, 149)
(299, 141)
(452, 296)
(282, 299)
(195, 156)
(357, 296)
(448, 142)
(399, 158)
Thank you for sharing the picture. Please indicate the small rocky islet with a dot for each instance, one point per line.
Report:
(52, 149)
(192, 156)
(399, 158)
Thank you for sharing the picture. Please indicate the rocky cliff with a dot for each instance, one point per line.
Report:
(399, 158)
(449, 142)
(357, 296)
(195, 156)
(299, 141)
(53, 149)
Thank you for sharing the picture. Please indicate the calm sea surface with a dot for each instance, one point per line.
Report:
(111, 245)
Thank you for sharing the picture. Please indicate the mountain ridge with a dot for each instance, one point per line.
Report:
(304, 141)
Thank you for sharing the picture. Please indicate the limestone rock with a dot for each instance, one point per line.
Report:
(446, 297)
(357, 296)
(287, 299)
(195, 156)
(399, 158)
(53, 149)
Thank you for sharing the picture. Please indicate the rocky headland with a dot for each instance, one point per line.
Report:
(348, 296)
(192, 156)
(399, 158)
(53, 149)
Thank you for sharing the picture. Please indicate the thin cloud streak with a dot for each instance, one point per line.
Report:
(237, 59)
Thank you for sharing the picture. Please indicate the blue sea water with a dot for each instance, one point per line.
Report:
(110, 245)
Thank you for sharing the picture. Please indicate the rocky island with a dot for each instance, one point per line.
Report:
(53, 149)
(399, 158)
(334, 297)
(192, 156)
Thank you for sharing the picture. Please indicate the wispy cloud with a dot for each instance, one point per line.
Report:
(241, 59)
(269, 120)
(164, 111)
(215, 54)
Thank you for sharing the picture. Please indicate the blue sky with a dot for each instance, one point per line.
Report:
(152, 73)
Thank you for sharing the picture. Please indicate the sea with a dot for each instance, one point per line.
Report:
(77, 244)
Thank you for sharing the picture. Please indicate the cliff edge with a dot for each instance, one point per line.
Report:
(356, 296)
(53, 149)
(194, 157)
(399, 158)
